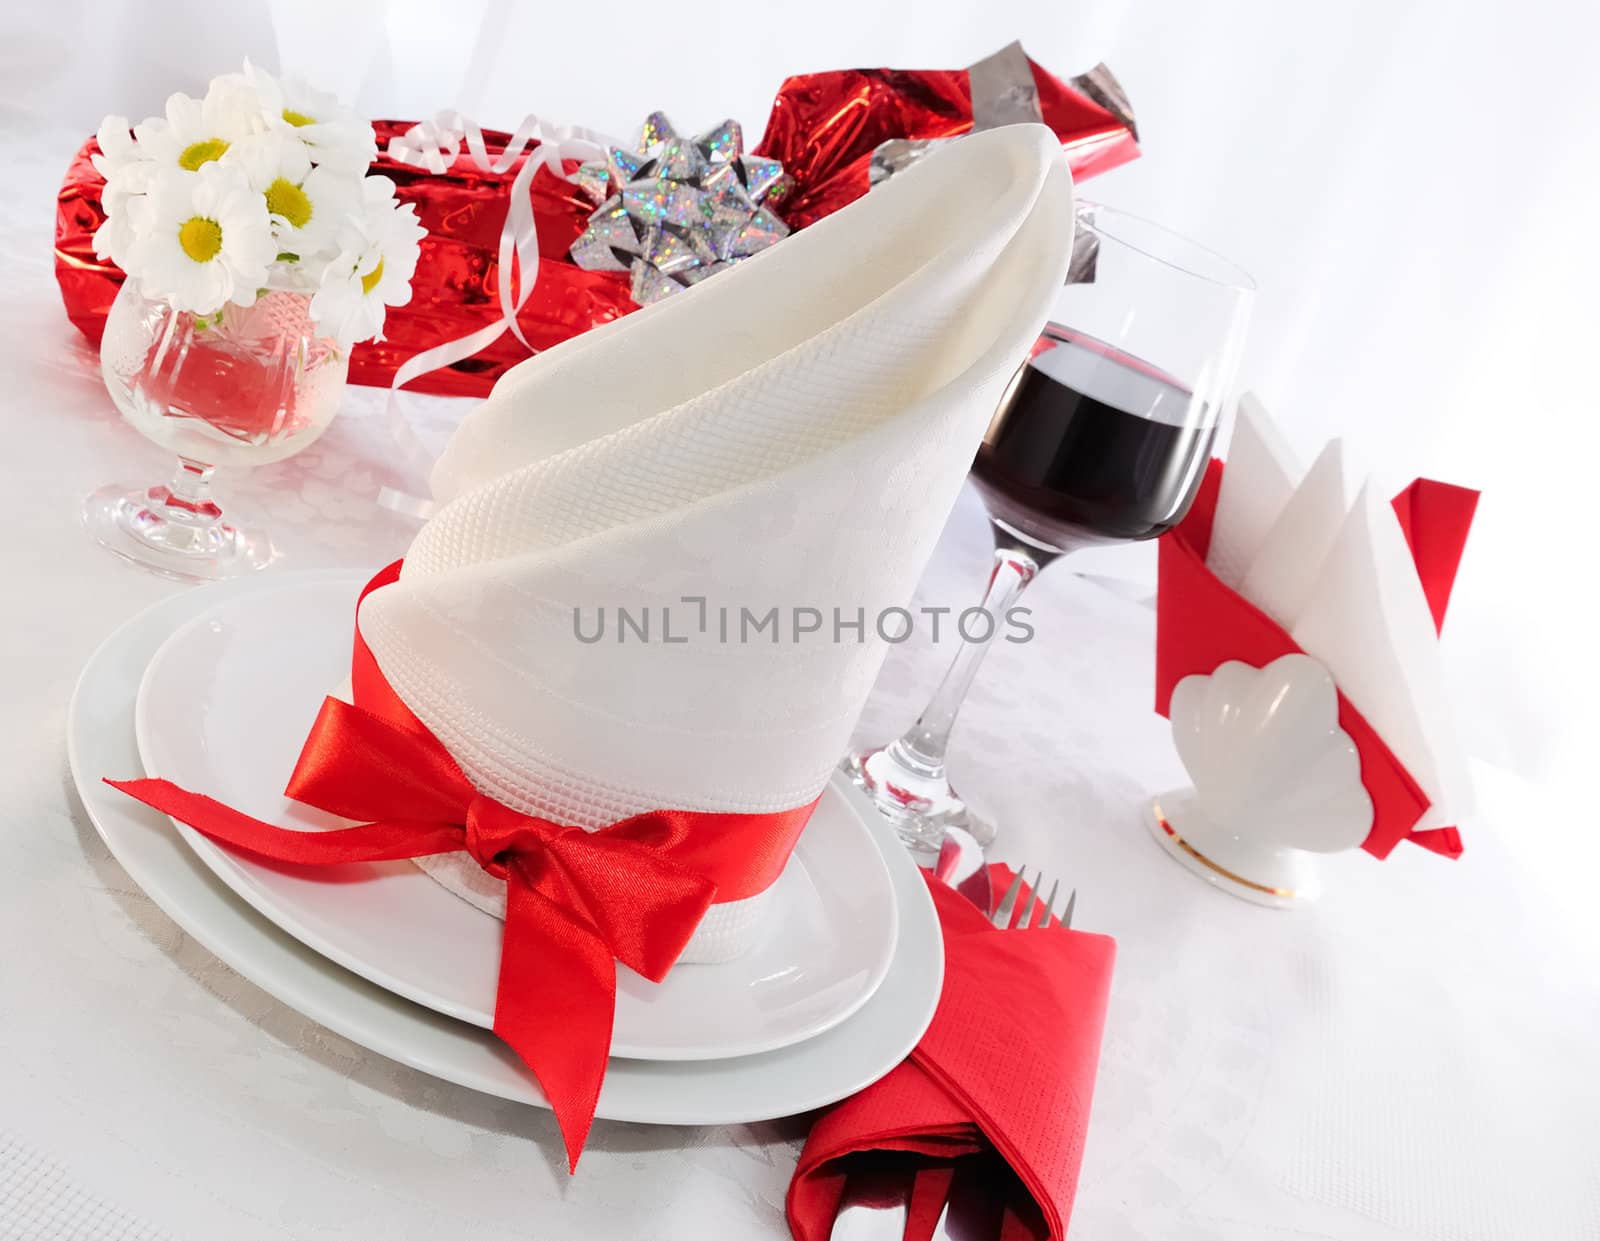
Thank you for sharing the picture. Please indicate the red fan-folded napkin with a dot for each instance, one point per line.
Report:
(1008, 1065)
(1201, 622)
(1435, 518)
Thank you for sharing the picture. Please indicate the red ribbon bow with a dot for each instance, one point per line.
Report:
(577, 902)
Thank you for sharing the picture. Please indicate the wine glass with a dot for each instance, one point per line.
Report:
(246, 385)
(1102, 435)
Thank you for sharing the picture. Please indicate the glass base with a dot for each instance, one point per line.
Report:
(919, 804)
(158, 531)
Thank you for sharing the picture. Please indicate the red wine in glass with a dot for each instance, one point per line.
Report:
(1087, 445)
(1090, 445)
(1102, 436)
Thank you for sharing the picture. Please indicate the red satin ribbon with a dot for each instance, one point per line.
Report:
(577, 902)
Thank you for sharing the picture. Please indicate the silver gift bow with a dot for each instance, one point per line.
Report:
(676, 210)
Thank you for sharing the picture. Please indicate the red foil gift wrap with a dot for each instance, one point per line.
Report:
(825, 126)
(88, 285)
(454, 291)
(1201, 622)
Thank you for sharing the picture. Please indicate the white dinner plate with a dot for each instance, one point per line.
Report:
(224, 709)
(811, 1074)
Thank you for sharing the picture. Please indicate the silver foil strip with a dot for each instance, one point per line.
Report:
(1085, 247)
(1003, 89)
(1100, 85)
(897, 154)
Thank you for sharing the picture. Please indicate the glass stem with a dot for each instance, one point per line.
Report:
(188, 498)
(922, 747)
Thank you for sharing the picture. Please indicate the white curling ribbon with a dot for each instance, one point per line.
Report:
(434, 146)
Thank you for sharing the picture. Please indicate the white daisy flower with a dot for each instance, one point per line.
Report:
(307, 205)
(235, 100)
(209, 239)
(195, 132)
(127, 221)
(373, 268)
(118, 151)
(337, 137)
(128, 172)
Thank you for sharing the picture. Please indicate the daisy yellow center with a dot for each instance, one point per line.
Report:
(197, 153)
(370, 280)
(287, 199)
(298, 119)
(200, 238)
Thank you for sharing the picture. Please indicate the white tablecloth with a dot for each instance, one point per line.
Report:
(1413, 1058)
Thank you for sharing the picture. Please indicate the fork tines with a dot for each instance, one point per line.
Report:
(1033, 911)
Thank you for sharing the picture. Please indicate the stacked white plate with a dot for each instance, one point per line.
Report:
(216, 690)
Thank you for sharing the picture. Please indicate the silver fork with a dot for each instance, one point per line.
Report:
(1034, 911)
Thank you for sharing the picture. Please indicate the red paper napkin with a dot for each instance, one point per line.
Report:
(1435, 518)
(1008, 1065)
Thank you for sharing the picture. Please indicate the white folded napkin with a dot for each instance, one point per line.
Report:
(1284, 570)
(1261, 476)
(789, 435)
(1368, 621)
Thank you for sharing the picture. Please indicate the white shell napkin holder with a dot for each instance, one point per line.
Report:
(1276, 780)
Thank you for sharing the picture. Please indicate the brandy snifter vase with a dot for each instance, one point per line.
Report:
(243, 386)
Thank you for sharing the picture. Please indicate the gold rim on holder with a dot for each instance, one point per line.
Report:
(1161, 818)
